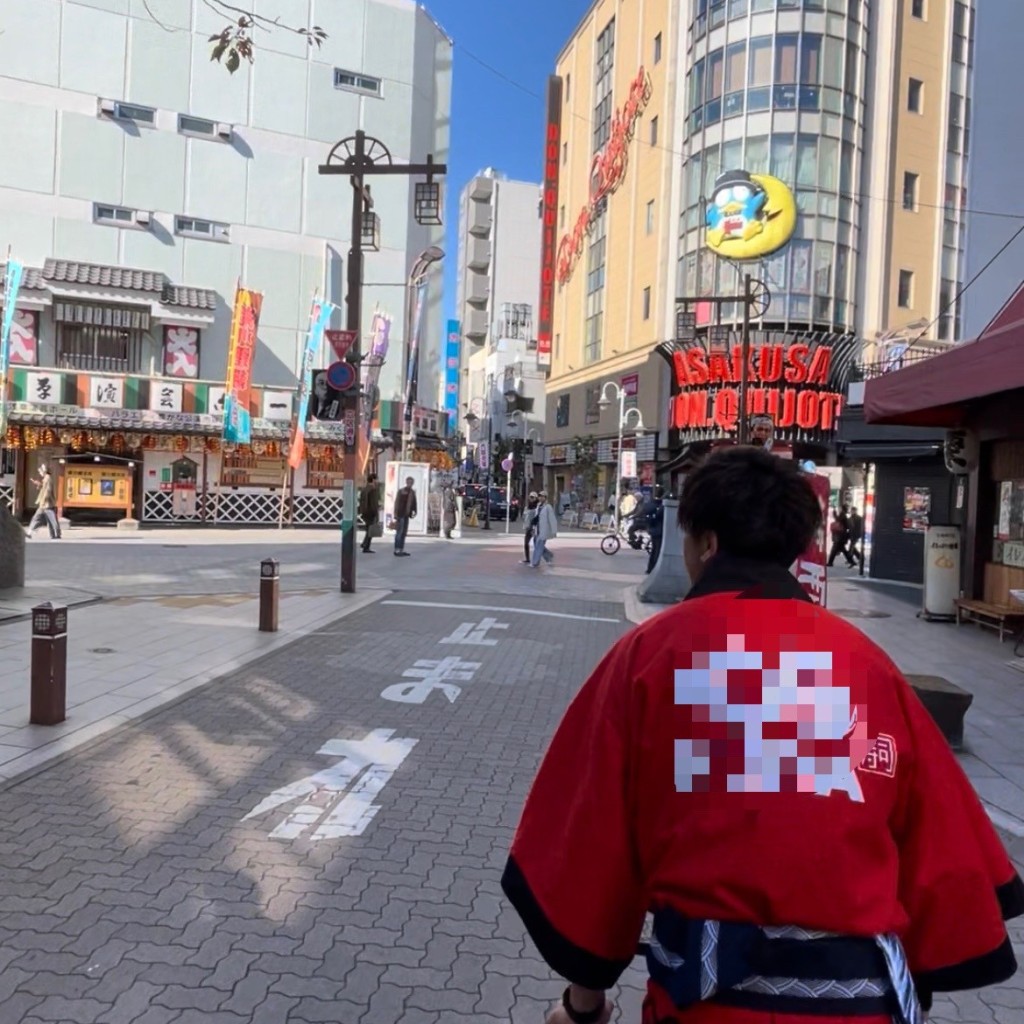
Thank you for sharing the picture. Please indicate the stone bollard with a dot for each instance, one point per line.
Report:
(270, 594)
(669, 581)
(49, 672)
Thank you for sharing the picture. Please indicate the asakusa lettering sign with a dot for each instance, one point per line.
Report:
(549, 231)
(789, 383)
(607, 171)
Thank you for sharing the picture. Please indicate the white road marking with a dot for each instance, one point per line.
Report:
(496, 608)
(475, 633)
(378, 753)
(431, 675)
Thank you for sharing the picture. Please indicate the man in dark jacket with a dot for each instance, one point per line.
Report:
(652, 515)
(405, 509)
(856, 525)
(369, 509)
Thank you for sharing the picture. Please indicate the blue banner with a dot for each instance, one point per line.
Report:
(12, 285)
(451, 371)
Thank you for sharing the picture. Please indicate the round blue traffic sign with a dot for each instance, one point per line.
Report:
(341, 376)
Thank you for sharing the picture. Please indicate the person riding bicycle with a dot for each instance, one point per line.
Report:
(754, 772)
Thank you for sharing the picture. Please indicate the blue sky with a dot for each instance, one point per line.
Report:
(498, 109)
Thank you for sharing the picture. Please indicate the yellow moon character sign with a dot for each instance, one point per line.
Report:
(749, 216)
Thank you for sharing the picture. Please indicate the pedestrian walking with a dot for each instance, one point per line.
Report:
(46, 506)
(840, 532)
(545, 531)
(652, 515)
(754, 772)
(529, 525)
(369, 509)
(405, 510)
(450, 510)
(856, 548)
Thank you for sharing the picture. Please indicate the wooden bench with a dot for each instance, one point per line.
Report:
(946, 702)
(985, 613)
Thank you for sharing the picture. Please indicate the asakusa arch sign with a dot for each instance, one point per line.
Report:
(607, 171)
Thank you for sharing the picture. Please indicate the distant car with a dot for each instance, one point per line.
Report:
(475, 496)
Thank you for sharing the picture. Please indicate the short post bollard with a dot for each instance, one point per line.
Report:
(270, 591)
(49, 672)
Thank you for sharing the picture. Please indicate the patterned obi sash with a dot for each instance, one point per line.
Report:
(781, 969)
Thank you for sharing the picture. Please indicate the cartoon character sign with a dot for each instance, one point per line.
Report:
(749, 216)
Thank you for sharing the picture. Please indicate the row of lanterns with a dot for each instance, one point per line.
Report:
(31, 438)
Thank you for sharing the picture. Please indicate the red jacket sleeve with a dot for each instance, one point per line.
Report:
(572, 874)
(957, 883)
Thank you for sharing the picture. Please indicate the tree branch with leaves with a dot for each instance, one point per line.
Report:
(236, 42)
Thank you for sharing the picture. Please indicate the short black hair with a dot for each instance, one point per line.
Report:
(759, 505)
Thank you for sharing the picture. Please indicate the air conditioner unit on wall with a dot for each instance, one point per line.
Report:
(225, 131)
(107, 107)
(143, 218)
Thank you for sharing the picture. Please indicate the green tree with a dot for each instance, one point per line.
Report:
(237, 40)
(586, 466)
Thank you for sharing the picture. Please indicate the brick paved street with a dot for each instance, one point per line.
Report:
(134, 892)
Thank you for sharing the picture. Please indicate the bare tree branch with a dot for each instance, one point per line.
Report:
(149, 11)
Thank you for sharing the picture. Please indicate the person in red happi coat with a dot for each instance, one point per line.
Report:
(756, 774)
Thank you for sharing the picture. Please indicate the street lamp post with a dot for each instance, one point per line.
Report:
(361, 156)
(518, 416)
(603, 402)
(417, 279)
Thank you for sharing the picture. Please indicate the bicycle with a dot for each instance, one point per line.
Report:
(611, 542)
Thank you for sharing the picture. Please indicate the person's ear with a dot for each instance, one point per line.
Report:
(709, 543)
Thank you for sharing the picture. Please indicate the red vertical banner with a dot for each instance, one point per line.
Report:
(810, 569)
(549, 227)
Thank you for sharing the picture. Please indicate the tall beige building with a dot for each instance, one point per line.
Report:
(861, 107)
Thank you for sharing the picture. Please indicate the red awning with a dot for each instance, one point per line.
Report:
(938, 391)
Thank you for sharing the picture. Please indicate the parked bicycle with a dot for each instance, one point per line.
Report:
(636, 537)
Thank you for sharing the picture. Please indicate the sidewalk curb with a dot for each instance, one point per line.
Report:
(41, 758)
(636, 610)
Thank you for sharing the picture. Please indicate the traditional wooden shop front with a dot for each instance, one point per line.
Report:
(170, 430)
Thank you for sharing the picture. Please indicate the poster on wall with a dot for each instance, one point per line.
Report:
(917, 506)
(1005, 509)
(810, 569)
(395, 475)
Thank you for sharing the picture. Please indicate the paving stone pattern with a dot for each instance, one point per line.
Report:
(133, 892)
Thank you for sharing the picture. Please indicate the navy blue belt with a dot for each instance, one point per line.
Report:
(780, 969)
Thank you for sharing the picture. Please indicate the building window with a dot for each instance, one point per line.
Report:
(603, 85)
(562, 411)
(127, 112)
(915, 91)
(649, 218)
(565, 152)
(647, 303)
(118, 216)
(910, 181)
(568, 87)
(905, 297)
(192, 227)
(654, 130)
(352, 81)
(561, 216)
(657, 48)
(917, 8)
(203, 128)
(592, 404)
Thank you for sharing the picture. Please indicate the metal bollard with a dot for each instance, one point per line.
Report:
(270, 593)
(49, 672)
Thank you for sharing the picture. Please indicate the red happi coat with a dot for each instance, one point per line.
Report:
(650, 797)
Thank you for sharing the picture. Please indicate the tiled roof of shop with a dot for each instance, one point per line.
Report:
(32, 280)
(105, 277)
(192, 298)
